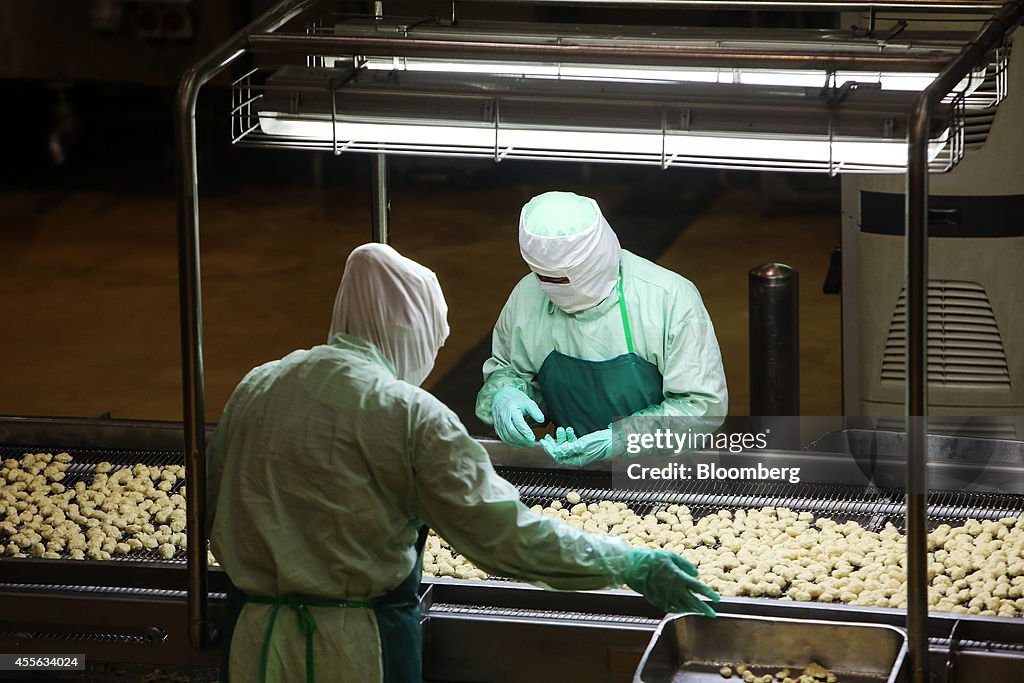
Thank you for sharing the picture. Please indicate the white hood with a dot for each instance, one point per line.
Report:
(394, 303)
(589, 257)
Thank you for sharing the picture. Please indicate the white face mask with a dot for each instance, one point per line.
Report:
(569, 298)
(589, 259)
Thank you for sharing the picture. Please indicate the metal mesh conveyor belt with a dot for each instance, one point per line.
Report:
(85, 459)
(123, 591)
(83, 468)
(522, 613)
(116, 638)
(870, 507)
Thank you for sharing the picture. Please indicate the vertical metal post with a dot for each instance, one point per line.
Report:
(190, 302)
(774, 301)
(917, 393)
(974, 53)
(381, 208)
(849, 305)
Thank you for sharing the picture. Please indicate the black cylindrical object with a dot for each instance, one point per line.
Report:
(774, 299)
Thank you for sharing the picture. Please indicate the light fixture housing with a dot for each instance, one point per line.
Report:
(866, 60)
(802, 78)
(848, 129)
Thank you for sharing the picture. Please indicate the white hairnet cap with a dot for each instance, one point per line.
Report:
(562, 234)
(394, 303)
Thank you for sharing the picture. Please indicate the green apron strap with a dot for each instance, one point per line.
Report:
(625, 315)
(266, 637)
(307, 623)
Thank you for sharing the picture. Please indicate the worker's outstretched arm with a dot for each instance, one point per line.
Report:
(480, 514)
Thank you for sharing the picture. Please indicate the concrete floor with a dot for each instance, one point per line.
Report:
(89, 299)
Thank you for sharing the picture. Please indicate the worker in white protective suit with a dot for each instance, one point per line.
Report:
(328, 467)
(593, 334)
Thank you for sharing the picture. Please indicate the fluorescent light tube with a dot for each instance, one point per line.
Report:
(506, 141)
(780, 77)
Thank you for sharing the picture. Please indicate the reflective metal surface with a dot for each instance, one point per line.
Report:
(691, 649)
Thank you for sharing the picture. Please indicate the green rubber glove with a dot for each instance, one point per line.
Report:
(576, 452)
(563, 434)
(508, 410)
(667, 581)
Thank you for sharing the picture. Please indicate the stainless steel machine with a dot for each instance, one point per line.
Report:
(974, 356)
(302, 79)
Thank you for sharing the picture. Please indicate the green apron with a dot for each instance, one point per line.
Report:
(588, 395)
(398, 623)
(398, 620)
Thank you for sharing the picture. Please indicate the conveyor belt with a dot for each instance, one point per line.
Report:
(870, 507)
(126, 591)
(83, 467)
(118, 457)
(520, 613)
(80, 638)
(866, 505)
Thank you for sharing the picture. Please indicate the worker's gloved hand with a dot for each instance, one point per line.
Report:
(576, 452)
(509, 410)
(563, 434)
(667, 581)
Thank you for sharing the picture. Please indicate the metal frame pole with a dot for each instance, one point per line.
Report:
(523, 49)
(190, 302)
(991, 34)
(917, 399)
(381, 213)
(380, 201)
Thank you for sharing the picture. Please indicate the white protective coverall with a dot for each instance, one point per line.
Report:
(586, 305)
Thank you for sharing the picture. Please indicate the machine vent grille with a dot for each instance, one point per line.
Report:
(964, 345)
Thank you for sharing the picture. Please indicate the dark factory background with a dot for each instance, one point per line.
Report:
(87, 223)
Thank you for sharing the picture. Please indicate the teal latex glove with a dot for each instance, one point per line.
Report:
(667, 581)
(563, 434)
(576, 452)
(509, 410)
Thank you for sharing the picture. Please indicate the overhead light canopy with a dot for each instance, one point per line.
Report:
(674, 54)
(670, 124)
(799, 100)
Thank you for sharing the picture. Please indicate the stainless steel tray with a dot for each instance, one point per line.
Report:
(690, 649)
